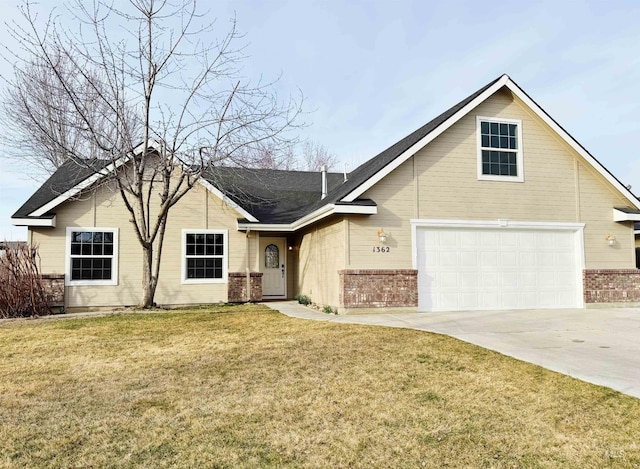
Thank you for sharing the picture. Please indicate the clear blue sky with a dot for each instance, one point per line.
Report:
(373, 71)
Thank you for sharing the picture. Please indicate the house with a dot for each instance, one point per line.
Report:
(7, 245)
(490, 206)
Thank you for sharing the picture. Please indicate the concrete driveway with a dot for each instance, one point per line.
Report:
(601, 346)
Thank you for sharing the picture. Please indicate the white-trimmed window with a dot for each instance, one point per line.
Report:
(204, 256)
(499, 149)
(91, 256)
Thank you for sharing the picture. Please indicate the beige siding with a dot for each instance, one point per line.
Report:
(596, 211)
(199, 209)
(440, 182)
(320, 252)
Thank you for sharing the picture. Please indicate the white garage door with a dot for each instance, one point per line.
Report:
(497, 268)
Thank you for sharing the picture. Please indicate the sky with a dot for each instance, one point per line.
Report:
(374, 71)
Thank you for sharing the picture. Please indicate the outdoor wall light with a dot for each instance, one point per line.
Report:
(382, 236)
(610, 239)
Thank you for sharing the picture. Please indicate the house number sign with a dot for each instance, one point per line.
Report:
(381, 249)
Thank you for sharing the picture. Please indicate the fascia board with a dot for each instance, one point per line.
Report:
(49, 222)
(356, 209)
(218, 193)
(619, 215)
(357, 192)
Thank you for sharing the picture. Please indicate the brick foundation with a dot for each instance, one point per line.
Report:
(378, 288)
(54, 287)
(238, 287)
(611, 285)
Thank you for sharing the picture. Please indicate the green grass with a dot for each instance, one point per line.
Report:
(247, 387)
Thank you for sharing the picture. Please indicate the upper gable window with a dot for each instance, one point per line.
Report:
(499, 149)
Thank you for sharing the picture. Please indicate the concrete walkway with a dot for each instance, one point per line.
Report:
(600, 346)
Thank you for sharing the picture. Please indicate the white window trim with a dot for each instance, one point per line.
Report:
(225, 257)
(519, 152)
(114, 259)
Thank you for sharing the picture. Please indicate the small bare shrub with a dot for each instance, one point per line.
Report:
(22, 292)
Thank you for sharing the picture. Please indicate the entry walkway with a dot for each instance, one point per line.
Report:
(600, 346)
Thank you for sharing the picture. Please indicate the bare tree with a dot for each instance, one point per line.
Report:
(267, 156)
(314, 156)
(41, 126)
(310, 156)
(152, 83)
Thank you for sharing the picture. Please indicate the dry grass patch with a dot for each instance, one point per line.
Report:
(247, 387)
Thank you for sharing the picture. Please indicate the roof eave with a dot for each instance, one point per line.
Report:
(621, 214)
(34, 221)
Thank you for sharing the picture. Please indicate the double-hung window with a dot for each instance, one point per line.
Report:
(499, 149)
(204, 256)
(91, 256)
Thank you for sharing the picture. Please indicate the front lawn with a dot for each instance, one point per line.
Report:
(244, 386)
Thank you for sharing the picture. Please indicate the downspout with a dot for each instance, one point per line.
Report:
(324, 181)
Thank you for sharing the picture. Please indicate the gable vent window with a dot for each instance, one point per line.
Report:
(92, 256)
(499, 149)
(204, 258)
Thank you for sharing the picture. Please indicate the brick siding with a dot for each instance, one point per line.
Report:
(378, 288)
(611, 285)
(53, 285)
(238, 287)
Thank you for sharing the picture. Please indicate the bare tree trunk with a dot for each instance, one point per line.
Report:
(149, 281)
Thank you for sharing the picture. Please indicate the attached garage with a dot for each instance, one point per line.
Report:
(497, 265)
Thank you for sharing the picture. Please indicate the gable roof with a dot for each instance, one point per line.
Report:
(287, 200)
(372, 171)
(271, 196)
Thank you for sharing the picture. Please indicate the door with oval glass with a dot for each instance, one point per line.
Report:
(273, 252)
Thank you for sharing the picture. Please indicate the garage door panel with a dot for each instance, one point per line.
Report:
(468, 259)
(488, 239)
(466, 269)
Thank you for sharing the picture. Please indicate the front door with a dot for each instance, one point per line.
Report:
(272, 265)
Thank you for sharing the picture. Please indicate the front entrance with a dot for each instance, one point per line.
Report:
(273, 252)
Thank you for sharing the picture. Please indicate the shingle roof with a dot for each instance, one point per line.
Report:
(65, 178)
(272, 196)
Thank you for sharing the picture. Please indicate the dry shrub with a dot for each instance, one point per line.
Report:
(22, 292)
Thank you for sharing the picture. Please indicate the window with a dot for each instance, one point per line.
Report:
(204, 258)
(499, 149)
(92, 256)
(272, 257)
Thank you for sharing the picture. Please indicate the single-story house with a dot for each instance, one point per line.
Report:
(490, 206)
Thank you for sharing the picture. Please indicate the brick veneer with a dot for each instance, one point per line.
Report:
(238, 287)
(378, 288)
(611, 285)
(53, 285)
